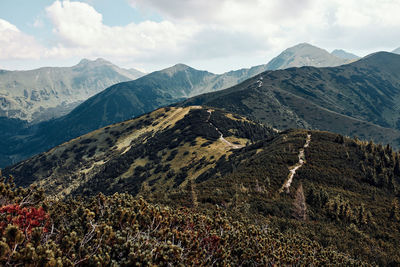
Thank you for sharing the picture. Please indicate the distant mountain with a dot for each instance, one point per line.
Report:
(339, 192)
(305, 55)
(396, 51)
(361, 98)
(126, 100)
(50, 92)
(345, 55)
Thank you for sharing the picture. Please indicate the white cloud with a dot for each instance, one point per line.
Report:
(360, 26)
(81, 31)
(214, 35)
(16, 45)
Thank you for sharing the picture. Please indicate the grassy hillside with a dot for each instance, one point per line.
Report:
(160, 149)
(311, 184)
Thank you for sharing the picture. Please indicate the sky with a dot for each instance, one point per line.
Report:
(213, 35)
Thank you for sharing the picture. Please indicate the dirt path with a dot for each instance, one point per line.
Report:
(221, 136)
(294, 168)
(193, 193)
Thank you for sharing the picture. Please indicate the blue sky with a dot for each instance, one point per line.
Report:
(115, 13)
(214, 35)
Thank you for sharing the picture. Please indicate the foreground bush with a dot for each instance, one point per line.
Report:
(124, 230)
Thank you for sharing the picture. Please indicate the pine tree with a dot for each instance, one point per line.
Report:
(300, 206)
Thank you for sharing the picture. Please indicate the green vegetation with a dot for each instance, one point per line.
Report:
(344, 197)
(340, 199)
(122, 230)
(361, 98)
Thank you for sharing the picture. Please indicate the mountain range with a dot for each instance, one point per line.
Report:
(130, 99)
(45, 93)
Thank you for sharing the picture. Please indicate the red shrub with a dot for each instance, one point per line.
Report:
(25, 218)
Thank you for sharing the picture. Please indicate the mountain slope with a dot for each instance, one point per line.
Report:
(304, 55)
(169, 142)
(354, 99)
(345, 55)
(49, 92)
(210, 160)
(396, 51)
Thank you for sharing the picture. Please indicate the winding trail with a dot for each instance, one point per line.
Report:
(294, 168)
(221, 136)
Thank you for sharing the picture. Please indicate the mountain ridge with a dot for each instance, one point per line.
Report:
(294, 98)
(47, 92)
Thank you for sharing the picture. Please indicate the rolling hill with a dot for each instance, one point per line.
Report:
(45, 93)
(310, 184)
(360, 98)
